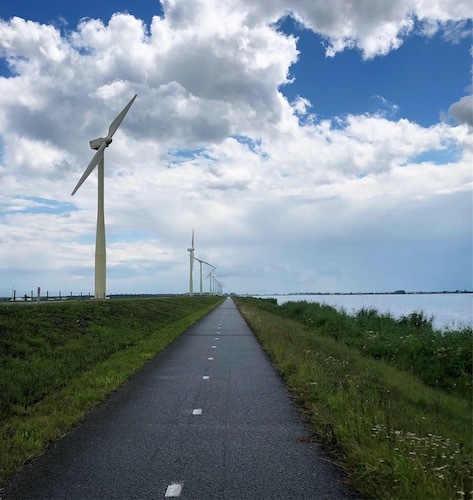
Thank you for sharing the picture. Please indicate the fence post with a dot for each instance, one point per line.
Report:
(38, 297)
(47, 294)
(59, 295)
(14, 295)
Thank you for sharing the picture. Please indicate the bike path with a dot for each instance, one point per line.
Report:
(207, 419)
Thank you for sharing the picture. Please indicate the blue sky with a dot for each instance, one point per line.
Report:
(422, 78)
(312, 147)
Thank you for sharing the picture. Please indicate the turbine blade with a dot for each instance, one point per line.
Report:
(210, 274)
(192, 245)
(93, 163)
(116, 123)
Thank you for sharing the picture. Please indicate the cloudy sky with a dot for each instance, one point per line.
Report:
(313, 145)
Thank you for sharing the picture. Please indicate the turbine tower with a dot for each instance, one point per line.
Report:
(100, 254)
(191, 254)
(211, 278)
(202, 262)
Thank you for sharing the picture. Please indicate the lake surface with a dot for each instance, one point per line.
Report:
(449, 310)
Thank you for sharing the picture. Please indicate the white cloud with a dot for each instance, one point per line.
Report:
(212, 143)
(301, 105)
(375, 27)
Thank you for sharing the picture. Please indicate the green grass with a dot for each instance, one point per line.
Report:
(399, 437)
(57, 361)
(440, 359)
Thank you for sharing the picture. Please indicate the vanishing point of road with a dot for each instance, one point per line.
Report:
(207, 419)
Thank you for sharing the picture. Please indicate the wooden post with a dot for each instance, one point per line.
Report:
(38, 297)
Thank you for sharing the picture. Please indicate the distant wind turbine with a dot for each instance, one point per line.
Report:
(218, 287)
(191, 254)
(210, 276)
(100, 254)
(201, 262)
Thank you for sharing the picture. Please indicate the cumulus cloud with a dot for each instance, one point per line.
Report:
(462, 110)
(213, 143)
(374, 27)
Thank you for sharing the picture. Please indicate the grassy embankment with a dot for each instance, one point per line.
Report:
(57, 361)
(390, 398)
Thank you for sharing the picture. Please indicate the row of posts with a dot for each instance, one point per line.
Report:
(216, 289)
(38, 296)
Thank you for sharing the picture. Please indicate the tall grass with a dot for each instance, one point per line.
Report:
(440, 359)
(59, 360)
(399, 437)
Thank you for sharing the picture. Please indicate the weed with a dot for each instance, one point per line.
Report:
(440, 359)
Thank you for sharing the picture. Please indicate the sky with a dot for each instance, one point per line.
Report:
(313, 146)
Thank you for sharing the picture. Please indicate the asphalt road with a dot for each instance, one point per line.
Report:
(207, 419)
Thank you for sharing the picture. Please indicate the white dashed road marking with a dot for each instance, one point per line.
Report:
(197, 411)
(205, 377)
(173, 490)
(214, 347)
(211, 359)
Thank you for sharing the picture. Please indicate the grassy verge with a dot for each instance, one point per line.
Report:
(399, 438)
(57, 361)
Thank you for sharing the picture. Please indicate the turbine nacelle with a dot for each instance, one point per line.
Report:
(96, 143)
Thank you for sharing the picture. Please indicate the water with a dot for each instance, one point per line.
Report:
(449, 310)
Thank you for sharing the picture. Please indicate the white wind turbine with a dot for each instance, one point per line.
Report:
(100, 254)
(218, 286)
(201, 262)
(211, 278)
(191, 254)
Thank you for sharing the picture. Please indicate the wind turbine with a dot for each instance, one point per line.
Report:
(218, 286)
(201, 262)
(210, 276)
(191, 254)
(98, 159)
